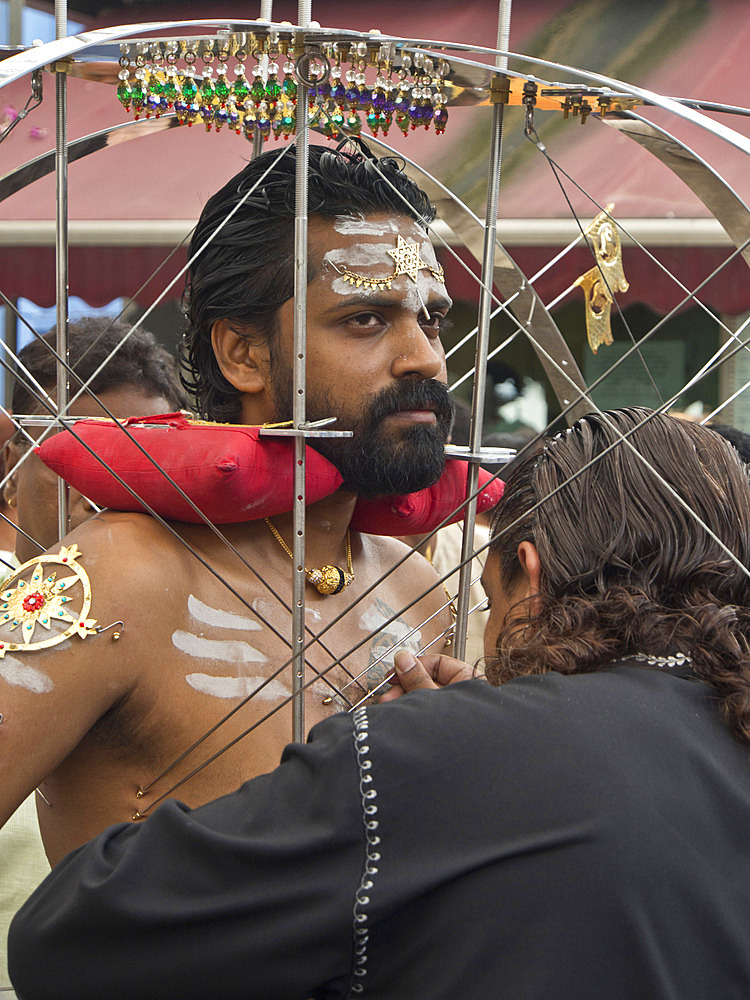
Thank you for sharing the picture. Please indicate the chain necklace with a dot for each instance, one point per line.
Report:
(328, 579)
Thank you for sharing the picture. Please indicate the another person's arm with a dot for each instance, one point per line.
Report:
(251, 896)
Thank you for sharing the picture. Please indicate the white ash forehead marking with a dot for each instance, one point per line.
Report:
(362, 255)
(22, 675)
(365, 254)
(226, 650)
(414, 295)
(237, 687)
(348, 226)
(218, 617)
(427, 253)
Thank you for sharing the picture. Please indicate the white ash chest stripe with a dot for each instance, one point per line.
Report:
(21, 675)
(225, 650)
(219, 618)
(237, 687)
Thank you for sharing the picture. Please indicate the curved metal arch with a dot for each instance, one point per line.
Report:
(266, 26)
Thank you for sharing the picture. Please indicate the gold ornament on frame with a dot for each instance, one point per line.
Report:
(601, 282)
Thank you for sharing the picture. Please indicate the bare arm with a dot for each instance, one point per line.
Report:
(52, 694)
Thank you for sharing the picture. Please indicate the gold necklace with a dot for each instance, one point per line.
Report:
(328, 579)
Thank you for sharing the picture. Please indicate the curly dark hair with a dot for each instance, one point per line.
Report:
(626, 568)
(246, 272)
(139, 361)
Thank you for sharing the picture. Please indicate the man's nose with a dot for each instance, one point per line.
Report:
(417, 353)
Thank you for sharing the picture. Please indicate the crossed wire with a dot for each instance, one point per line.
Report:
(331, 624)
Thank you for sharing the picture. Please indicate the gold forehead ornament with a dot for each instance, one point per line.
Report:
(407, 260)
(39, 599)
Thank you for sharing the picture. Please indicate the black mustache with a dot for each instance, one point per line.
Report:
(426, 394)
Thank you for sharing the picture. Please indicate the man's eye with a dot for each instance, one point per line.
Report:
(366, 320)
(436, 324)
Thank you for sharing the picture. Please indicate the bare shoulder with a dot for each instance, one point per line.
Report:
(122, 550)
(60, 670)
(392, 554)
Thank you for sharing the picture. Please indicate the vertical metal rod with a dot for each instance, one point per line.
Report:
(61, 249)
(483, 339)
(10, 336)
(299, 407)
(15, 22)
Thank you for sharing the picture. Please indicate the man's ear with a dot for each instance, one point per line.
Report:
(528, 558)
(11, 455)
(244, 361)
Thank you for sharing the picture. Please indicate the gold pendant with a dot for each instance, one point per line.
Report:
(329, 579)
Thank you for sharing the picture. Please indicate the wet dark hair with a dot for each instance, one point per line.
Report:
(140, 362)
(625, 567)
(737, 438)
(246, 273)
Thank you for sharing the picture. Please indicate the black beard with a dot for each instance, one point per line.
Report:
(374, 462)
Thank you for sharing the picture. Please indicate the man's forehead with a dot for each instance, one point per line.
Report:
(327, 233)
(378, 225)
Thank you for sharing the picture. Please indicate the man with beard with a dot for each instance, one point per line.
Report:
(105, 729)
(573, 826)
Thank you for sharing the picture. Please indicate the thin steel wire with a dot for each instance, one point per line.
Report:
(621, 359)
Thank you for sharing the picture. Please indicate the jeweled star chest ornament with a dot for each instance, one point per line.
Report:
(35, 597)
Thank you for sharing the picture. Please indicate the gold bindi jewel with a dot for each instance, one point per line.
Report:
(407, 260)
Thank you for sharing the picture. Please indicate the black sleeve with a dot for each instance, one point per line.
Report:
(249, 896)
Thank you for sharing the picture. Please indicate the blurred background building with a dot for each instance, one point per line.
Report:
(133, 204)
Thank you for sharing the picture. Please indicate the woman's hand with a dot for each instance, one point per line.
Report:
(427, 672)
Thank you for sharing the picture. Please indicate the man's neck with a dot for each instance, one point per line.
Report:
(326, 524)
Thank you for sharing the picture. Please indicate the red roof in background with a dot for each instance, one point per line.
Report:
(710, 66)
(170, 175)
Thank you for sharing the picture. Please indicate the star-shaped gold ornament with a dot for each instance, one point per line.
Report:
(40, 599)
(408, 259)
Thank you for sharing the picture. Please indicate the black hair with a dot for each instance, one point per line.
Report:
(246, 272)
(140, 362)
(625, 568)
(737, 438)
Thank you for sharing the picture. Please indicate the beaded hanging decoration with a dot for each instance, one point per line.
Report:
(162, 76)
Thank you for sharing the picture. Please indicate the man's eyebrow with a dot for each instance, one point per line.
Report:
(389, 301)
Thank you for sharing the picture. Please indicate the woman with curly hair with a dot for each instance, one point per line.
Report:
(576, 829)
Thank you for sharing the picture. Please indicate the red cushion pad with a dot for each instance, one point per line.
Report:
(228, 471)
(232, 474)
(418, 513)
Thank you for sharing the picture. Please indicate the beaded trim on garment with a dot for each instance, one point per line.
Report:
(674, 660)
(372, 856)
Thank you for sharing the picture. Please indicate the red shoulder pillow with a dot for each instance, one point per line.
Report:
(418, 513)
(233, 474)
(227, 470)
